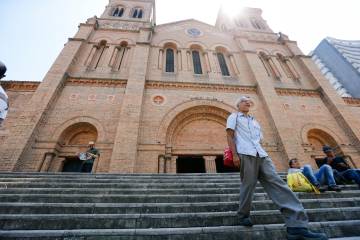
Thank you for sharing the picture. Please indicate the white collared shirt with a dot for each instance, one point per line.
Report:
(247, 134)
(3, 103)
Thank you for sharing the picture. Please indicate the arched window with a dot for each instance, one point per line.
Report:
(287, 66)
(196, 62)
(121, 12)
(269, 65)
(140, 13)
(170, 60)
(256, 24)
(137, 13)
(223, 66)
(96, 54)
(120, 57)
(118, 12)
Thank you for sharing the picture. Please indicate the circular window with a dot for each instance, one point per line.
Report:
(158, 100)
(194, 32)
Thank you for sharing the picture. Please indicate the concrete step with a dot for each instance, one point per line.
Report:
(119, 177)
(140, 208)
(115, 176)
(135, 190)
(156, 198)
(155, 206)
(122, 180)
(172, 185)
(333, 229)
(154, 177)
(169, 220)
(345, 238)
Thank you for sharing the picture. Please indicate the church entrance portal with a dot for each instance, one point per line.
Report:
(72, 164)
(190, 164)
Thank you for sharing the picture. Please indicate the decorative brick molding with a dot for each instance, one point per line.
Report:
(323, 128)
(96, 82)
(60, 129)
(200, 86)
(297, 92)
(124, 26)
(190, 110)
(352, 101)
(20, 86)
(158, 100)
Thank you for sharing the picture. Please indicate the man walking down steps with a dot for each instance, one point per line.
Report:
(244, 135)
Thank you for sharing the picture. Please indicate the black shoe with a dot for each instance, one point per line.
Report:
(334, 188)
(304, 234)
(322, 188)
(245, 222)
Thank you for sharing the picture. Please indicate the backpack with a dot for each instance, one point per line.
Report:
(297, 182)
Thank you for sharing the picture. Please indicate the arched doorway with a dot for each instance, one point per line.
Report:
(317, 139)
(196, 138)
(72, 141)
(190, 164)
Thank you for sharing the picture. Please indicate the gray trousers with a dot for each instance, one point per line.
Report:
(253, 169)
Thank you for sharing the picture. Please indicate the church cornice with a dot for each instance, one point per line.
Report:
(297, 92)
(124, 25)
(20, 86)
(352, 101)
(184, 21)
(96, 82)
(200, 86)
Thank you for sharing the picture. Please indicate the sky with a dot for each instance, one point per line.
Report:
(33, 32)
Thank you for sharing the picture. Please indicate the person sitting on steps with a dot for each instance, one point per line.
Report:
(323, 176)
(340, 166)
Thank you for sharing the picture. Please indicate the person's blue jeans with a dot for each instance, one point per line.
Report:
(352, 174)
(323, 176)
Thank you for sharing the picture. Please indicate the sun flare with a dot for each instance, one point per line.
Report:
(233, 8)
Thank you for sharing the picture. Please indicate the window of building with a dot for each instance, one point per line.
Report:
(137, 13)
(97, 54)
(223, 66)
(269, 65)
(256, 24)
(287, 67)
(120, 56)
(240, 23)
(196, 62)
(118, 12)
(170, 63)
(140, 13)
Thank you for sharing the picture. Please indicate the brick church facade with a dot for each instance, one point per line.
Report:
(155, 98)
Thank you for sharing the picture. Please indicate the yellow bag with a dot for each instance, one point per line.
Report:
(299, 183)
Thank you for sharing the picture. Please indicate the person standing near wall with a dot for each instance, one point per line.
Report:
(4, 101)
(244, 136)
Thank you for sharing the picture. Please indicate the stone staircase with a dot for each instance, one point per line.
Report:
(144, 206)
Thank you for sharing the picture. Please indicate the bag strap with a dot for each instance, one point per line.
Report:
(236, 120)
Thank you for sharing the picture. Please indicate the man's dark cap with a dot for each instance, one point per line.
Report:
(327, 149)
